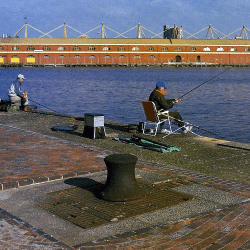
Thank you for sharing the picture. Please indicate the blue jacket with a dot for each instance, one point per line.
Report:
(15, 89)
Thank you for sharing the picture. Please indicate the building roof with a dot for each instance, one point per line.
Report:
(124, 41)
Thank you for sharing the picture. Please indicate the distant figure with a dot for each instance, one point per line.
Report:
(157, 96)
(16, 94)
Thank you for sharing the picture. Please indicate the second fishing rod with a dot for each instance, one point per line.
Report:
(202, 84)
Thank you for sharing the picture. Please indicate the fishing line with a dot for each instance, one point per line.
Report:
(202, 84)
(42, 105)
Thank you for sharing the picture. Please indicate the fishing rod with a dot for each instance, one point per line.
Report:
(198, 127)
(42, 105)
(202, 84)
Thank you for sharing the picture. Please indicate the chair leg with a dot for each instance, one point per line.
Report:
(143, 128)
(172, 132)
(169, 123)
(156, 129)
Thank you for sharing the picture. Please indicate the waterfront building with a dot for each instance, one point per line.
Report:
(123, 51)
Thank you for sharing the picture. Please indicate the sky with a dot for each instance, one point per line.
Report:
(225, 17)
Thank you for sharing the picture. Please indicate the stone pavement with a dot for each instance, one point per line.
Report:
(31, 161)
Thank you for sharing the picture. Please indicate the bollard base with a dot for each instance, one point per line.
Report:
(111, 195)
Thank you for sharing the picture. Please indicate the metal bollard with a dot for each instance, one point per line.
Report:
(121, 184)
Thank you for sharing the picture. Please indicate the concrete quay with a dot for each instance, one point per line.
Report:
(38, 163)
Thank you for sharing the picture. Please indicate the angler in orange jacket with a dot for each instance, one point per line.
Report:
(157, 96)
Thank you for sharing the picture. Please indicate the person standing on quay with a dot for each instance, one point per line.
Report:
(16, 94)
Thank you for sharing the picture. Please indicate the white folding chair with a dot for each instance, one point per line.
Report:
(152, 118)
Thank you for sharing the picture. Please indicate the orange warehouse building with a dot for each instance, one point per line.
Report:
(122, 51)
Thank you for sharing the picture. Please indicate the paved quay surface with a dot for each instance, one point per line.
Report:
(36, 161)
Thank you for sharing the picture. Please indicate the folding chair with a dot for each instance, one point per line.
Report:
(152, 117)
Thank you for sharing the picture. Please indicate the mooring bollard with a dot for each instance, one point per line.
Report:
(121, 184)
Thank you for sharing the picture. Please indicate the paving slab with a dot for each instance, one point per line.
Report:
(212, 194)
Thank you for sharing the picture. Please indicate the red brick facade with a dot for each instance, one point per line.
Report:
(74, 51)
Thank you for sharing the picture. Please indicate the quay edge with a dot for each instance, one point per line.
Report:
(202, 155)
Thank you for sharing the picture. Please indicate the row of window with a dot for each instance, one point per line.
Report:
(77, 48)
(77, 56)
(121, 48)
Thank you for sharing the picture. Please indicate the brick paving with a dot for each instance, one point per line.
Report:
(27, 158)
(226, 229)
(16, 234)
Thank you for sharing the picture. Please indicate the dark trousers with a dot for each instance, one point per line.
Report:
(177, 117)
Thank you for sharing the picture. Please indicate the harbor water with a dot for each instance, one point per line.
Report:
(219, 107)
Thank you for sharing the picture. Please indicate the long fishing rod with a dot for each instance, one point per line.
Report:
(42, 105)
(202, 84)
(198, 127)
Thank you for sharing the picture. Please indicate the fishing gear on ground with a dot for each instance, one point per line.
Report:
(148, 144)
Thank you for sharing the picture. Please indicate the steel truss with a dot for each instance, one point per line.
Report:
(212, 33)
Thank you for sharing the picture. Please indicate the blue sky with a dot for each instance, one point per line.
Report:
(120, 15)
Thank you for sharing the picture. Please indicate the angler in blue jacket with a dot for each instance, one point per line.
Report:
(16, 94)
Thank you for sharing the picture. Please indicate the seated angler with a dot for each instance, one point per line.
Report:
(162, 104)
(16, 94)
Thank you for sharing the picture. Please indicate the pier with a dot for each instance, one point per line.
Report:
(40, 167)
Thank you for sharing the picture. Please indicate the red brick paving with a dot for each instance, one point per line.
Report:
(212, 231)
(25, 156)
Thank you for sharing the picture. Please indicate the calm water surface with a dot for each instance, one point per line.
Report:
(220, 106)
